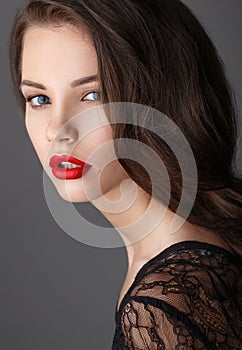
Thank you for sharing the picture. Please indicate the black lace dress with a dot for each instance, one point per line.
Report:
(187, 297)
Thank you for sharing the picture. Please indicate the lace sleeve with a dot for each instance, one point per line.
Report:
(187, 300)
(146, 326)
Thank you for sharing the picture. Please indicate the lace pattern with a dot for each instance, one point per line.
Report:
(187, 297)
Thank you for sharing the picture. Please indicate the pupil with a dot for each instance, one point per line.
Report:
(41, 99)
(96, 96)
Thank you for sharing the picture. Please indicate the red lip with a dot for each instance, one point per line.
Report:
(69, 174)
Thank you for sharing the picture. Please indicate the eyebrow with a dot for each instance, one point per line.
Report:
(75, 83)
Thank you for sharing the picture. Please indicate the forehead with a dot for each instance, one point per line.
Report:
(60, 49)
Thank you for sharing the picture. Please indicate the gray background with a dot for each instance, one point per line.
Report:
(55, 292)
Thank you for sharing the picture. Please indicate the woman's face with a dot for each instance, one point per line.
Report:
(59, 68)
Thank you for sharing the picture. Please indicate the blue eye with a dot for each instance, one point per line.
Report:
(38, 101)
(95, 96)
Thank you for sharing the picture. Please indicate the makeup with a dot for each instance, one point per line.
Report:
(68, 167)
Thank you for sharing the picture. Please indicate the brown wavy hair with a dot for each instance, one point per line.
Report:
(156, 53)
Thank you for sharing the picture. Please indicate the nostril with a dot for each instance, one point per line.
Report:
(64, 139)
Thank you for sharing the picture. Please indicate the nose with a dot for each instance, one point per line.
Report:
(58, 131)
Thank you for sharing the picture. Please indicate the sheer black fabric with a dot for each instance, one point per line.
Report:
(187, 297)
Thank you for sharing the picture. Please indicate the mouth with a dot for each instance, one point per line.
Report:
(68, 167)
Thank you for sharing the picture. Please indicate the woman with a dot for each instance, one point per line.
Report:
(181, 291)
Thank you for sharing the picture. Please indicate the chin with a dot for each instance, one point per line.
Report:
(72, 196)
(73, 191)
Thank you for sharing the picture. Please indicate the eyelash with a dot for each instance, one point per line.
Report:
(30, 98)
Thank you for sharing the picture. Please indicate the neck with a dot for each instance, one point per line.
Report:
(144, 225)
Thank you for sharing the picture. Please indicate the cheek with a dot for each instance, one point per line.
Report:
(31, 129)
(36, 132)
(99, 137)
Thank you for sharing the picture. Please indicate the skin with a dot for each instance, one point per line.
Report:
(46, 51)
(45, 54)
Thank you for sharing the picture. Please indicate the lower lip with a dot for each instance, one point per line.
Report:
(70, 174)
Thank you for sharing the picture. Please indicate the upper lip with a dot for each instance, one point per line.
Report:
(56, 160)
